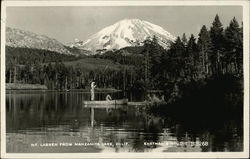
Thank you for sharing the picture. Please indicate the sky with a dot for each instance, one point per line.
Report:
(67, 23)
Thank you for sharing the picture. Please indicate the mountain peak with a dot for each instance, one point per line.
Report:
(126, 32)
(130, 19)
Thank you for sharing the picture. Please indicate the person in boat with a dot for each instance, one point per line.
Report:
(148, 98)
(108, 97)
(155, 98)
(92, 90)
(162, 98)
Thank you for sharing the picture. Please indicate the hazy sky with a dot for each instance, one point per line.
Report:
(67, 23)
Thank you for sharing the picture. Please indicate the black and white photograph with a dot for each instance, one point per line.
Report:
(123, 79)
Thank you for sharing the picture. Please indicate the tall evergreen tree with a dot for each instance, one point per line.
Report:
(184, 39)
(147, 61)
(240, 59)
(234, 49)
(204, 46)
(177, 51)
(217, 38)
(193, 56)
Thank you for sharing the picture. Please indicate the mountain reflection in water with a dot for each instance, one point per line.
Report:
(58, 122)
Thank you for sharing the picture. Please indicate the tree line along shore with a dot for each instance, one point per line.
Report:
(217, 51)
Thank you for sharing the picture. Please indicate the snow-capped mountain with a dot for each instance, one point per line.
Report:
(127, 32)
(24, 39)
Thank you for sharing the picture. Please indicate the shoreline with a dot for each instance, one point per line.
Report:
(22, 86)
(39, 87)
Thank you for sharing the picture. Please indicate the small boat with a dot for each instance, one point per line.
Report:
(146, 103)
(107, 102)
(138, 103)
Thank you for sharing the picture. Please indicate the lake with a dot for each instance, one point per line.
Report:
(53, 121)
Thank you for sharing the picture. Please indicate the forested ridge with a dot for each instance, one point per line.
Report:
(217, 51)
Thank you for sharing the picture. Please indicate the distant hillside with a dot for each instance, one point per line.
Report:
(89, 64)
(30, 55)
(132, 55)
(129, 55)
(78, 52)
(17, 38)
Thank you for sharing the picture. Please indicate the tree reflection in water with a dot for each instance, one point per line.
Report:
(56, 117)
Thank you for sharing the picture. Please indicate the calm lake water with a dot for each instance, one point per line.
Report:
(43, 121)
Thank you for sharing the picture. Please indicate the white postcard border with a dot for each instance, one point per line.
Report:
(244, 154)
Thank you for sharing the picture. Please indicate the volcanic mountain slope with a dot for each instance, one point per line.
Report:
(128, 32)
(17, 38)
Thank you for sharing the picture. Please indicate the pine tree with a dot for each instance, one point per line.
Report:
(177, 63)
(185, 54)
(193, 57)
(204, 46)
(234, 50)
(156, 52)
(216, 34)
(240, 56)
(184, 39)
(147, 61)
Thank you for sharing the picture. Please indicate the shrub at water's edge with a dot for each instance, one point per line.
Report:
(205, 101)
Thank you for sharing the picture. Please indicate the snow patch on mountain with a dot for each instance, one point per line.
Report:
(127, 32)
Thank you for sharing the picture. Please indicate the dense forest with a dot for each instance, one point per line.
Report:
(217, 51)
